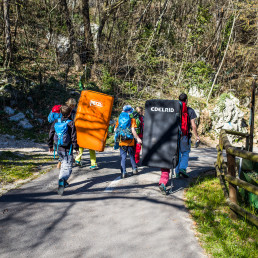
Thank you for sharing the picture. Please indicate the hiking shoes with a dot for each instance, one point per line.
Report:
(66, 184)
(123, 175)
(135, 171)
(183, 173)
(61, 186)
(94, 167)
(78, 163)
(163, 189)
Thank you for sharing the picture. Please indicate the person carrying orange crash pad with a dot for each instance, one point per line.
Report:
(92, 121)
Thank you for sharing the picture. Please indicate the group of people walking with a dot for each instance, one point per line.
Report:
(128, 136)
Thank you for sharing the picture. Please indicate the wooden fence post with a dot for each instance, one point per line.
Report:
(252, 117)
(232, 188)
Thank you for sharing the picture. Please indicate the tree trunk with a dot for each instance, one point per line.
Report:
(73, 46)
(8, 48)
(105, 14)
(87, 31)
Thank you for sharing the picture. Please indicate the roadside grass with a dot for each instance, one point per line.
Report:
(15, 166)
(220, 236)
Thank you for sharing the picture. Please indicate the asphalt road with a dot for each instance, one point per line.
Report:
(101, 215)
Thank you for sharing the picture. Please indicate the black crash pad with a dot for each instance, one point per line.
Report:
(161, 133)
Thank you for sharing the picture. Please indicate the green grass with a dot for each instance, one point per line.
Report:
(14, 166)
(220, 236)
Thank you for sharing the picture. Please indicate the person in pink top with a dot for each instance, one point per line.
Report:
(138, 146)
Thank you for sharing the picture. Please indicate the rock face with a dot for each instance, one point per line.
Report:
(25, 124)
(195, 92)
(17, 117)
(9, 111)
(227, 115)
(22, 121)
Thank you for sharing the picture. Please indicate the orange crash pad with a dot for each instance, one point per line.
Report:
(92, 119)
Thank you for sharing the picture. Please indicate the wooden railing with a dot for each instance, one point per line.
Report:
(226, 171)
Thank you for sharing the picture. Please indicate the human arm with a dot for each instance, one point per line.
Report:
(194, 128)
(116, 126)
(74, 136)
(51, 137)
(136, 136)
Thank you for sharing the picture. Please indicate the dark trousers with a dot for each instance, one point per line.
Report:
(123, 154)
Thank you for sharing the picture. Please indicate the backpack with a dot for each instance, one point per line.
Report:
(185, 127)
(123, 131)
(136, 116)
(62, 137)
(54, 114)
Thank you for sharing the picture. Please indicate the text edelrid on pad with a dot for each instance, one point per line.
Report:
(161, 109)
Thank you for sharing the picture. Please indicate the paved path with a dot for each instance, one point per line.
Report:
(101, 215)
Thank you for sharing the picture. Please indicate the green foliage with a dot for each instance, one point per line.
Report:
(198, 74)
(108, 82)
(199, 28)
(226, 34)
(130, 87)
(220, 236)
(147, 31)
(133, 4)
(92, 86)
(123, 27)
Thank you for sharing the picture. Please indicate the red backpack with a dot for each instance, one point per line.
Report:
(185, 120)
(56, 109)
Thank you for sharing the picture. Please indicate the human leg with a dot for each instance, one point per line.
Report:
(132, 159)
(65, 170)
(164, 180)
(123, 154)
(184, 160)
(178, 166)
(137, 152)
(185, 148)
(93, 159)
(79, 156)
(164, 176)
(66, 165)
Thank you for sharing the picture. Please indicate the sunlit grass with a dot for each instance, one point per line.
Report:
(219, 234)
(14, 166)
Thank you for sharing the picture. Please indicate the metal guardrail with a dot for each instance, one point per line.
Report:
(227, 172)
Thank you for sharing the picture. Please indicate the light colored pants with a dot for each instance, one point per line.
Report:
(93, 159)
(66, 164)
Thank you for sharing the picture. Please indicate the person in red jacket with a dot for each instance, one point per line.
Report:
(138, 146)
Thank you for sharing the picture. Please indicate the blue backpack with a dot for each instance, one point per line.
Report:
(123, 131)
(53, 116)
(62, 137)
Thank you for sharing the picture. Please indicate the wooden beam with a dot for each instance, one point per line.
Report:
(249, 187)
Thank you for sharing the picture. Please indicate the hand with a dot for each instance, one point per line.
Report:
(139, 141)
(197, 138)
(77, 152)
(51, 150)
